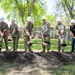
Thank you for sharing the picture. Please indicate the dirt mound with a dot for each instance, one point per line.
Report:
(53, 58)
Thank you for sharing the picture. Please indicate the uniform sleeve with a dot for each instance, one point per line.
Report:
(32, 25)
(16, 27)
(48, 27)
(6, 26)
(56, 27)
(10, 29)
(65, 30)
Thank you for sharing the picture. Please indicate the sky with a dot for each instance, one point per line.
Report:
(50, 8)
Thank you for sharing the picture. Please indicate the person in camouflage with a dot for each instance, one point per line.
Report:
(15, 34)
(3, 33)
(61, 32)
(27, 34)
(45, 34)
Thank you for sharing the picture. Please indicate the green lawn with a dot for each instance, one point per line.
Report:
(68, 69)
(37, 44)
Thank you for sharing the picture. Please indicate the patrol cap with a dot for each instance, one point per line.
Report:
(1, 18)
(72, 21)
(43, 17)
(29, 18)
(58, 19)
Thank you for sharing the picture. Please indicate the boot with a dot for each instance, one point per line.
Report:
(58, 51)
(62, 51)
(30, 51)
(15, 50)
(25, 51)
(47, 51)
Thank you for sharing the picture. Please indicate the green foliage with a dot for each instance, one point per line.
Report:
(20, 9)
(51, 19)
(66, 6)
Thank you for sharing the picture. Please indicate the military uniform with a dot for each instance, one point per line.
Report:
(15, 34)
(46, 36)
(27, 35)
(4, 31)
(61, 36)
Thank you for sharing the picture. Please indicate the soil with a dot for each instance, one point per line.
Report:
(34, 63)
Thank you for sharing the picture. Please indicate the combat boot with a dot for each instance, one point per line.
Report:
(58, 51)
(25, 51)
(15, 50)
(47, 51)
(30, 51)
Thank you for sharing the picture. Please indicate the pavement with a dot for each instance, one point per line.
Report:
(22, 50)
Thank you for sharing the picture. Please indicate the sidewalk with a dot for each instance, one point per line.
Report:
(23, 50)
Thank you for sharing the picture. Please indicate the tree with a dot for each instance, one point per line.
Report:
(67, 6)
(22, 8)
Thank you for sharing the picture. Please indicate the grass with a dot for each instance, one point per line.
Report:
(64, 70)
(68, 69)
(37, 44)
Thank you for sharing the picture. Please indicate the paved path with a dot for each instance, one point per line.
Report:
(22, 50)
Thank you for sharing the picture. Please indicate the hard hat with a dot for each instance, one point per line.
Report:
(29, 18)
(43, 17)
(12, 20)
(58, 19)
(1, 18)
(72, 21)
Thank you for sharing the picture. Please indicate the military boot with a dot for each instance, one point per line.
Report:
(59, 51)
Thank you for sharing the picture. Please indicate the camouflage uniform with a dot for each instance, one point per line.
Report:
(61, 36)
(27, 34)
(15, 34)
(4, 31)
(46, 36)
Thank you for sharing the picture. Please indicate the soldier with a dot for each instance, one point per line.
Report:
(72, 33)
(27, 34)
(3, 33)
(45, 34)
(15, 34)
(61, 32)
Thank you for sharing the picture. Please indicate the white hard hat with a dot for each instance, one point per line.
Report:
(29, 19)
(1, 18)
(58, 19)
(12, 20)
(43, 17)
(72, 21)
